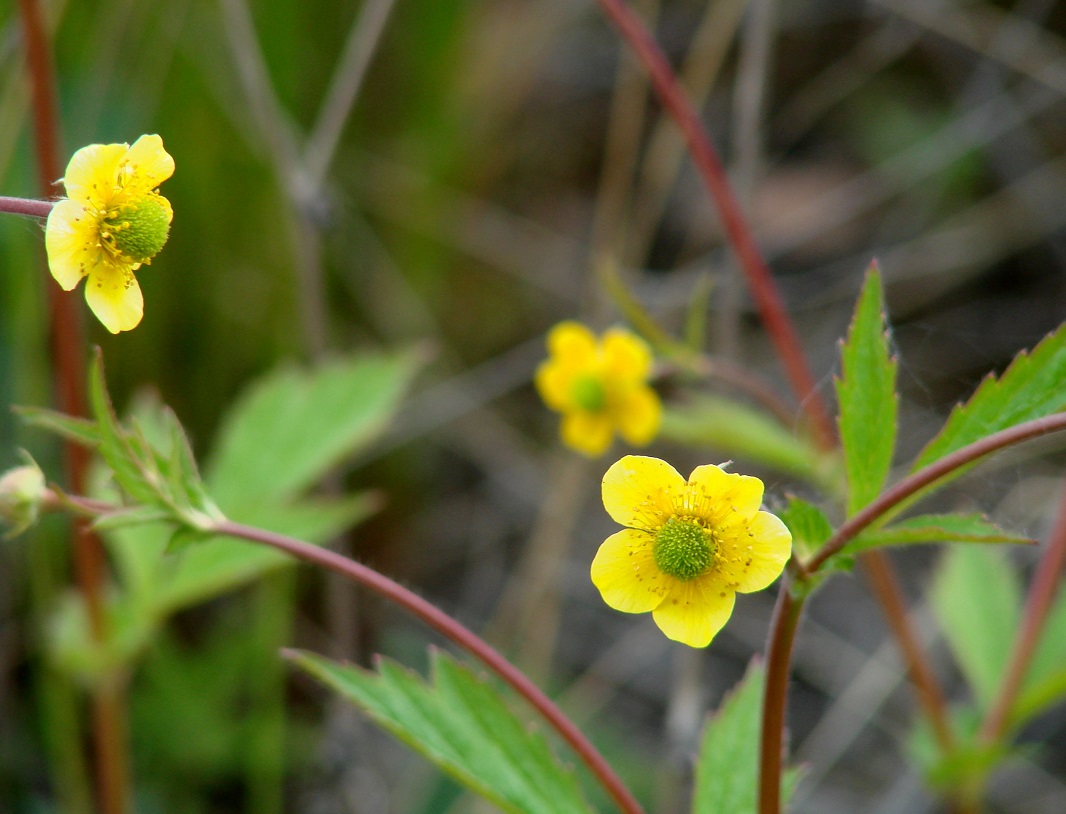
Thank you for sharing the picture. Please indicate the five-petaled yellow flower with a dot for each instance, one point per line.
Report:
(112, 221)
(600, 386)
(689, 546)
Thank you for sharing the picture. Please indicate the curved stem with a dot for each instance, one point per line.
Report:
(912, 484)
(25, 206)
(705, 157)
(462, 636)
(1041, 594)
(775, 695)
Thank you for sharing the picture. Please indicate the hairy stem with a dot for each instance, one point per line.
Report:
(25, 206)
(705, 157)
(1042, 592)
(68, 345)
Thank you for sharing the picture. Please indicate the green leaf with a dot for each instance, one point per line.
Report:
(977, 596)
(867, 396)
(809, 526)
(461, 724)
(80, 430)
(727, 770)
(737, 430)
(288, 429)
(1030, 388)
(935, 528)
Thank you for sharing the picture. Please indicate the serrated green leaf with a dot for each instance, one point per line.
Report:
(80, 430)
(1031, 388)
(727, 770)
(866, 393)
(935, 528)
(737, 430)
(288, 429)
(462, 725)
(809, 526)
(977, 597)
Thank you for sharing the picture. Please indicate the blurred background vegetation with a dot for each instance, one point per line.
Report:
(458, 197)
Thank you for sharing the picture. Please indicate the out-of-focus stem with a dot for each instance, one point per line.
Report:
(68, 349)
(1042, 592)
(884, 583)
(705, 157)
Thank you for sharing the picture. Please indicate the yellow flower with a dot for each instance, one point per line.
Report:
(688, 546)
(112, 221)
(600, 387)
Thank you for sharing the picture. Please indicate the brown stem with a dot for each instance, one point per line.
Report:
(931, 699)
(68, 350)
(912, 484)
(775, 695)
(25, 206)
(1041, 595)
(705, 157)
(462, 636)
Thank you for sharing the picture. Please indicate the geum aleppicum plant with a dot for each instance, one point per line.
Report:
(688, 547)
(112, 222)
(600, 385)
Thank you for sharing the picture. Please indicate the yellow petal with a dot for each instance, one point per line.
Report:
(555, 383)
(625, 572)
(695, 611)
(116, 299)
(588, 433)
(723, 497)
(71, 242)
(573, 342)
(639, 416)
(639, 491)
(148, 165)
(626, 355)
(755, 555)
(92, 174)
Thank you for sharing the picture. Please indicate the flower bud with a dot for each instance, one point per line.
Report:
(21, 492)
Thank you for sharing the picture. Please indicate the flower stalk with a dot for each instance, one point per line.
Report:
(32, 207)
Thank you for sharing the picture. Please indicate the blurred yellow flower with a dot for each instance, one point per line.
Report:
(600, 386)
(689, 546)
(112, 221)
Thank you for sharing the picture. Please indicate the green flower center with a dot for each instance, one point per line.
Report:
(138, 230)
(589, 394)
(683, 549)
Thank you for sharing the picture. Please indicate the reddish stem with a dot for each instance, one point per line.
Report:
(68, 344)
(705, 157)
(462, 636)
(912, 484)
(775, 695)
(1041, 595)
(25, 206)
